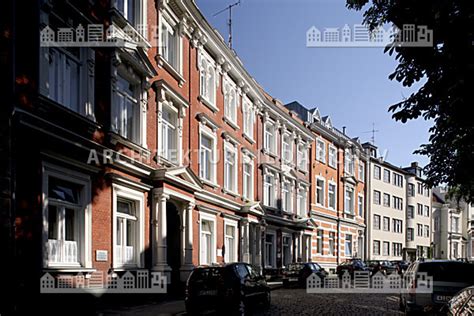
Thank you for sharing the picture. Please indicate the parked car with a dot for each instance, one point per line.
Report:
(461, 304)
(449, 277)
(351, 265)
(233, 286)
(384, 266)
(296, 273)
(401, 265)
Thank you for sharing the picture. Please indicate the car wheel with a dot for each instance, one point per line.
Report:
(401, 306)
(285, 283)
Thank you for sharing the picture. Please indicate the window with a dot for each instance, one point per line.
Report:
(286, 197)
(286, 250)
(386, 248)
(411, 189)
(437, 224)
(386, 175)
(65, 214)
(420, 209)
(206, 157)
(230, 102)
(269, 137)
(248, 118)
(126, 232)
(386, 224)
(320, 150)
(207, 240)
(287, 148)
(247, 178)
(320, 184)
(126, 111)
(427, 211)
(419, 230)
(349, 200)
(302, 157)
(269, 250)
(411, 211)
(207, 79)
(426, 231)
(129, 227)
(332, 156)
(376, 247)
(427, 191)
(361, 171)
(455, 224)
(169, 134)
(348, 246)
(377, 197)
(397, 249)
(230, 167)
(302, 202)
(170, 45)
(332, 243)
(420, 188)
(349, 163)
(319, 242)
(377, 172)
(397, 226)
(386, 200)
(360, 202)
(230, 241)
(377, 222)
(332, 196)
(398, 203)
(269, 190)
(410, 234)
(397, 180)
(127, 8)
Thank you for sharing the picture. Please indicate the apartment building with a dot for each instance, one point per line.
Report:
(452, 227)
(399, 211)
(338, 177)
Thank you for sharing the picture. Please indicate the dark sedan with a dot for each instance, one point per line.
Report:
(296, 273)
(230, 287)
(351, 265)
(384, 266)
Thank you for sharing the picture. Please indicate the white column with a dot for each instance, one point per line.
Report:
(160, 235)
(187, 242)
(244, 227)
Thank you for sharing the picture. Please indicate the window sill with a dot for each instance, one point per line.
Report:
(269, 153)
(248, 138)
(305, 172)
(63, 269)
(168, 163)
(209, 183)
(116, 138)
(230, 123)
(271, 208)
(167, 66)
(226, 191)
(204, 101)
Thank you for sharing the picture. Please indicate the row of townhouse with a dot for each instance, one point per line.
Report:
(453, 227)
(163, 153)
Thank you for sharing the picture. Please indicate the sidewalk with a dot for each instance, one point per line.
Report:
(158, 309)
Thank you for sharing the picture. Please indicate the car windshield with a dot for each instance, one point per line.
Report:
(315, 267)
(207, 274)
(295, 266)
(359, 263)
(449, 271)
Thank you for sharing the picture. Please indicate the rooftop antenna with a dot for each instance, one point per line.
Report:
(229, 22)
(373, 131)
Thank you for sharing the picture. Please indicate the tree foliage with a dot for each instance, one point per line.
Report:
(446, 72)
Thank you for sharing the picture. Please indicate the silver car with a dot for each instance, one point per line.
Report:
(449, 277)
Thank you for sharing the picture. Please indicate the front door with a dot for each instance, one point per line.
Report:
(173, 244)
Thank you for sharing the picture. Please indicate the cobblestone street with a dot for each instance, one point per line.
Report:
(298, 302)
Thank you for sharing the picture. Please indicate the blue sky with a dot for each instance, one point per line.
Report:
(349, 84)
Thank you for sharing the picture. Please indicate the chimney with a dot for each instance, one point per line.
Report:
(344, 130)
(414, 164)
